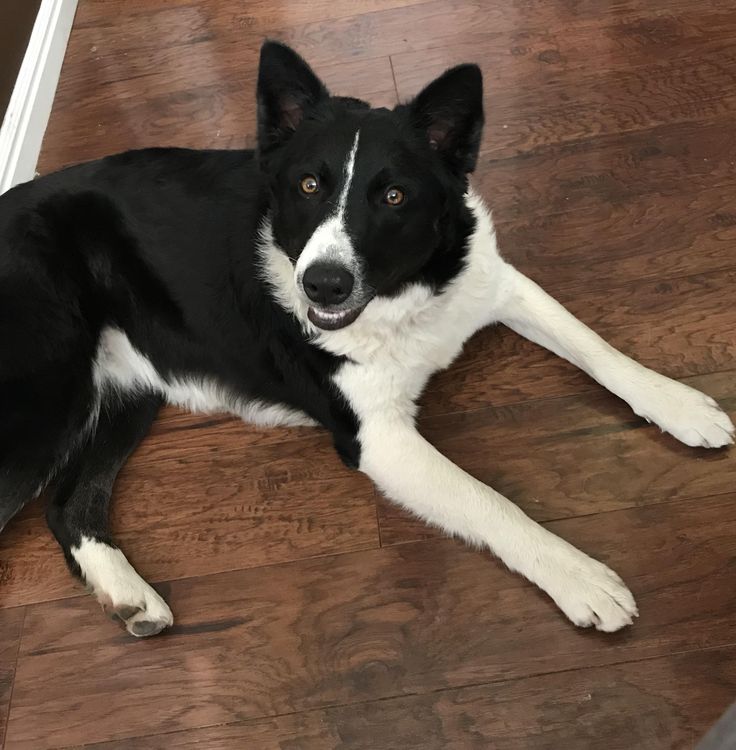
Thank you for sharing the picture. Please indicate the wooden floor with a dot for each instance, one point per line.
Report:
(311, 614)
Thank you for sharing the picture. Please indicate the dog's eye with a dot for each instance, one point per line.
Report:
(309, 184)
(394, 196)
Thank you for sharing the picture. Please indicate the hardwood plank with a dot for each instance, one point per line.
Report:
(529, 54)
(201, 501)
(681, 328)
(11, 623)
(658, 704)
(367, 625)
(541, 89)
(564, 457)
(257, 18)
(159, 70)
(109, 100)
(379, 31)
(667, 160)
(651, 237)
(302, 731)
(205, 91)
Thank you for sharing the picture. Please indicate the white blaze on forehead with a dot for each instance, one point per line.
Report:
(348, 172)
(330, 240)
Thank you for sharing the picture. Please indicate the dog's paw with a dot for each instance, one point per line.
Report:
(689, 415)
(122, 593)
(588, 592)
(144, 613)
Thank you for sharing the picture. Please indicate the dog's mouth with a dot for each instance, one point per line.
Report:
(332, 320)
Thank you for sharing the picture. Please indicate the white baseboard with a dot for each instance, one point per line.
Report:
(30, 104)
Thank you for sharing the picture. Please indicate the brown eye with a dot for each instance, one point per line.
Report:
(309, 184)
(394, 196)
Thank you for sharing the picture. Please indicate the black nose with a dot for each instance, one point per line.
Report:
(327, 283)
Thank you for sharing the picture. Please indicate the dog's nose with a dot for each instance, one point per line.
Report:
(327, 283)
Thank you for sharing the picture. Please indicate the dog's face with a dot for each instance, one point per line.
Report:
(363, 201)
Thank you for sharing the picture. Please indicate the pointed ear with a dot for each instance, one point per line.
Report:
(286, 89)
(450, 113)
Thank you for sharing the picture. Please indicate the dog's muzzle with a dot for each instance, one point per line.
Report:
(329, 287)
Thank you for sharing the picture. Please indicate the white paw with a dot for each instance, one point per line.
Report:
(121, 592)
(143, 614)
(692, 417)
(588, 592)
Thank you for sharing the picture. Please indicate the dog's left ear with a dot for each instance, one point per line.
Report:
(450, 112)
(286, 89)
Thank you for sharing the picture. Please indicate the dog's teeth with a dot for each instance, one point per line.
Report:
(331, 319)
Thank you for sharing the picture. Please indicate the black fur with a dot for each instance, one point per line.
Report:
(161, 244)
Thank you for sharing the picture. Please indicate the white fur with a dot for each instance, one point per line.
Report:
(117, 586)
(331, 241)
(119, 365)
(396, 344)
(408, 469)
(692, 417)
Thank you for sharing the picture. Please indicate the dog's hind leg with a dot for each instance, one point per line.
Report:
(692, 417)
(78, 517)
(44, 424)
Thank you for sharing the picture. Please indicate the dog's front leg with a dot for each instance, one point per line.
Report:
(691, 416)
(414, 474)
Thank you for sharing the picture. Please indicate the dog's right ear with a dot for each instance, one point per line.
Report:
(287, 89)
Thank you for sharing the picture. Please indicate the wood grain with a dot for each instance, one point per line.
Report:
(552, 94)
(358, 627)
(560, 178)
(354, 34)
(667, 702)
(255, 19)
(612, 244)
(167, 97)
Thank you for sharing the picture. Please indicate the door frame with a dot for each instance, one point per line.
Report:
(30, 104)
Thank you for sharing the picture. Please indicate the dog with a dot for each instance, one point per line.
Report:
(318, 279)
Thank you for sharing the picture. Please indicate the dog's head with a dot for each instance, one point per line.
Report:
(365, 201)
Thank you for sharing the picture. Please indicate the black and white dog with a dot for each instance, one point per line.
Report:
(321, 279)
